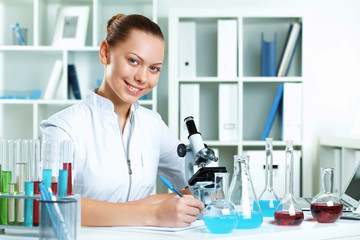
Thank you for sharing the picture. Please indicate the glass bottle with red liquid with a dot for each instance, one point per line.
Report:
(326, 206)
(288, 212)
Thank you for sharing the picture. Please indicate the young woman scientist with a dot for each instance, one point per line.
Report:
(119, 146)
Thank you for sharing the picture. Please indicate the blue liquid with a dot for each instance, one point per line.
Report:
(267, 208)
(221, 224)
(248, 223)
(29, 203)
(62, 183)
(46, 180)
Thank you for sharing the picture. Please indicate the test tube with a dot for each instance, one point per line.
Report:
(63, 171)
(6, 179)
(47, 156)
(29, 181)
(38, 166)
(14, 151)
(21, 163)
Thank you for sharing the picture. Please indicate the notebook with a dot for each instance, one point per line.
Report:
(350, 198)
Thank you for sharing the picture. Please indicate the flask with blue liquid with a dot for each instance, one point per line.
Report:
(268, 199)
(220, 215)
(242, 195)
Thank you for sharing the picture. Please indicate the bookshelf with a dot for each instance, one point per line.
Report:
(342, 154)
(29, 67)
(254, 92)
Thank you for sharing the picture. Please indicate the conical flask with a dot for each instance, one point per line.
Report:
(243, 196)
(220, 215)
(288, 213)
(268, 199)
(326, 206)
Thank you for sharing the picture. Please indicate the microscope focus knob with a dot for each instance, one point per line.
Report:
(181, 150)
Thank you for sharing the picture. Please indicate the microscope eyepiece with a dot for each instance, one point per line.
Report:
(190, 125)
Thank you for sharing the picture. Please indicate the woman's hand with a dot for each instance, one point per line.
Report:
(178, 211)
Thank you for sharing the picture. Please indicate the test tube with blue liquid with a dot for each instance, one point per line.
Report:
(47, 156)
(64, 157)
(33, 156)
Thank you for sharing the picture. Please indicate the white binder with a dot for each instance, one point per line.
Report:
(187, 50)
(292, 112)
(228, 112)
(189, 106)
(227, 49)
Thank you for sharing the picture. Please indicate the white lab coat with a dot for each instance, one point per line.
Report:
(100, 166)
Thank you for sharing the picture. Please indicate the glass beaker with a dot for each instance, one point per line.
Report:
(288, 213)
(326, 206)
(243, 196)
(220, 215)
(268, 199)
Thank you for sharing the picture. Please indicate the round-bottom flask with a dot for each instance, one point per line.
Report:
(288, 212)
(326, 206)
(242, 194)
(220, 215)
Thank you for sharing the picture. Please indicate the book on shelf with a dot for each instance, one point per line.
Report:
(189, 106)
(268, 56)
(227, 48)
(187, 49)
(292, 112)
(228, 112)
(54, 80)
(73, 81)
(275, 108)
(289, 49)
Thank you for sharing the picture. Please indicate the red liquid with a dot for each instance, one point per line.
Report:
(54, 188)
(36, 210)
(326, 214)
(69, 186)
(285, 219)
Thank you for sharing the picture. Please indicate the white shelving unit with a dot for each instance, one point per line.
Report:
(255, 93)
(29, 67)
(342, 154)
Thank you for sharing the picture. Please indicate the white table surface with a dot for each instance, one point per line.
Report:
(309, 229)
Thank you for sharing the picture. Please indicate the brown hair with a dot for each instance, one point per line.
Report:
(119, 27)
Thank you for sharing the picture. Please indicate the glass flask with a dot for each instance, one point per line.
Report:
(268, 199)
(326, 206)
(220, 215)
(288, 212)
(243, 196)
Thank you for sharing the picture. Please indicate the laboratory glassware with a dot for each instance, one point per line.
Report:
(14, 155)
(63, 171)
(38, 167)
(21, 164)
(242, 195)
(268, 199)
(48, 156)
(67, 164)
(8, 152)
(288, 212)
(34, 146)
(326, 206)
(220, 215)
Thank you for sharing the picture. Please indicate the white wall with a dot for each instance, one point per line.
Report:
(331, 55)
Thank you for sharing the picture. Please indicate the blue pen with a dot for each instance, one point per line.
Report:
(170, 186)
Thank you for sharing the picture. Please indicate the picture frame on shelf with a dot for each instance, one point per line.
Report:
(71, 26)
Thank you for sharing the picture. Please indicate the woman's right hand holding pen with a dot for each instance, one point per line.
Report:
(178, 211)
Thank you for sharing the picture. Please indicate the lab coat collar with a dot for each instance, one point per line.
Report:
(103, 103)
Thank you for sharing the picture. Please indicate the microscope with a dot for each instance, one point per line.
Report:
(201, 184)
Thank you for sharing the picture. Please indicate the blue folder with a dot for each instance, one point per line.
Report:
(276, 105)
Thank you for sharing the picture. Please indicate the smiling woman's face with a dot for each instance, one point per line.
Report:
(135, 65)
